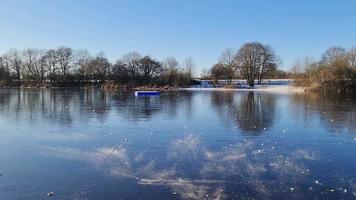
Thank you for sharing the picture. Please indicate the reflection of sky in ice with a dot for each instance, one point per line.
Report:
(246, 164)
(199, 145)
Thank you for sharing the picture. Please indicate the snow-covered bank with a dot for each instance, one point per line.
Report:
(260, 88)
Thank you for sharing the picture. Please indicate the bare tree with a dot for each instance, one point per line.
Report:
(120, 72)
(170, 63)
(248, 60)
(333, 55)
(64, 56)
(336, 60)
(255, 60)
(218, 71)
(170, 74)
(51, 63)
(149, 69)
(268, 62)
(2, 63)
(352, 57)
(227, 59)
(131, 61)
(189, 67)
(4, 71)
(14, 63)
(82, 59)
(98, 67)
(31, 66)
(43, 66)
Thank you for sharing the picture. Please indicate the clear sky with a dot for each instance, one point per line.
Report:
(181, 28)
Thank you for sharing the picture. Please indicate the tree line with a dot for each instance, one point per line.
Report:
(252, 62)
(335, 70)
(64, 66)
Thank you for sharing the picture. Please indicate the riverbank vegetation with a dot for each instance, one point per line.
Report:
(66, 67)
(334, 72)
(254, 61)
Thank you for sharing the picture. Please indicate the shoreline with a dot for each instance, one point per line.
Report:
(275, 89)
(267, 88)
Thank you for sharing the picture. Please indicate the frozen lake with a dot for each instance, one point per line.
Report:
(91, 144)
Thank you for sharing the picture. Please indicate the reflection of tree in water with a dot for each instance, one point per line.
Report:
(54, 105)
(256, 112)
(251, 112)
(63, 106)
(132, 107)
(95, 101)
(168, 105)
(336, 112)
(37, 105)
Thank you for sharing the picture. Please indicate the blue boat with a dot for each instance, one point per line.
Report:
(147, 93)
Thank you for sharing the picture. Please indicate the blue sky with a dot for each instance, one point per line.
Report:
(181, 28)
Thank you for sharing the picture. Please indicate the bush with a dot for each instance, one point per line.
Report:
(335, 72)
